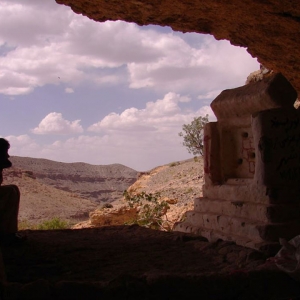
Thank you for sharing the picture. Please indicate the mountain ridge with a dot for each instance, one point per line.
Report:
(100, 183)
(69, 191)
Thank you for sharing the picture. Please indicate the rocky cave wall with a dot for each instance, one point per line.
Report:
(269, 29)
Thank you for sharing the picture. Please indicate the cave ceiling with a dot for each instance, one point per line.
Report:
(269, 29)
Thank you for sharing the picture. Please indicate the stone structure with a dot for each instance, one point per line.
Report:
(252, 167)
(270, 30)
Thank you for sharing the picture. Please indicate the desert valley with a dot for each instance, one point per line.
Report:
(72, 191)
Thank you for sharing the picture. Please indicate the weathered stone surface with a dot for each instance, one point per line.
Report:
(251, 171)
(271, 92)
(111, 216)
(114, 216)
(248, 210)
(270, 30)
(259, 75)
(233, 192)
(278, 143)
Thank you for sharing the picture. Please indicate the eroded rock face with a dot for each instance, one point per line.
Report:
(102, 183)
(269, 29)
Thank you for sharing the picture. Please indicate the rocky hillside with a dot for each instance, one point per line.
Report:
(76, 191)
(181, 181)
(41, 202)
(103, 183)
(69, 191)
(178, 183)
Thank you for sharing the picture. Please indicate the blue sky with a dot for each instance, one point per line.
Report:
(72, 89)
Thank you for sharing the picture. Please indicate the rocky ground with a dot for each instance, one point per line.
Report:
(131, 262)
(70, 192)
(177, 183)
(40, 202)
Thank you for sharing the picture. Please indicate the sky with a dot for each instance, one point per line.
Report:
(76, 90)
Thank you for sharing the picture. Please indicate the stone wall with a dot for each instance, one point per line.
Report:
(251, 193)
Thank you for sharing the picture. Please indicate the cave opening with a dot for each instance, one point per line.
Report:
(105, 93)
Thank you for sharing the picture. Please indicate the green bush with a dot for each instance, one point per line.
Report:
(55, 223)
(151, 211)
(193, 135)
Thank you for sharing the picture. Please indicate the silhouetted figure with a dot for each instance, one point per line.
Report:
(9, 203)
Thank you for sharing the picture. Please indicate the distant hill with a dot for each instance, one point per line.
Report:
(66, 190)
(40, 202)
(100, 183)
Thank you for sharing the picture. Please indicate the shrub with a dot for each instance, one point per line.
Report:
(55, 223)
(152, 210)
(193, 135)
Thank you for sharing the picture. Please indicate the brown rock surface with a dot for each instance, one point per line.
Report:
(41, 202)
(270, 30)
(70, 192)
(178, 184)
(100, 183)
(130, 262)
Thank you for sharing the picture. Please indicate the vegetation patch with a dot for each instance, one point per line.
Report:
(152, 210)
(55, 223)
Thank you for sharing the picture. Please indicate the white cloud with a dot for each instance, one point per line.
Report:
(182, 67)
(54, 123)
(23, 144)
(25, 24)
(139, 138)
(69, 90)
(131, 150)
(156, 116)
(55, 46)
(149, 135)
(210, 95)
(42, 43)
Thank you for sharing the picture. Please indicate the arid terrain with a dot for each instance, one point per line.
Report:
(177, 183)
(132, 262)
(68, 191)
(99, 183)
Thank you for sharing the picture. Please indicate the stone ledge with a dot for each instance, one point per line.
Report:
(254, 211)
(233, 192)
(269, 248)
(234, 226)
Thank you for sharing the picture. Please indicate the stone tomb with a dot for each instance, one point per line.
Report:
(251, 158)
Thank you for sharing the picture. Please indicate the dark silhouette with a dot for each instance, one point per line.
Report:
(9, 203)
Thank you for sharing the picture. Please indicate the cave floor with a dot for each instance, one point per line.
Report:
(131, 262)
